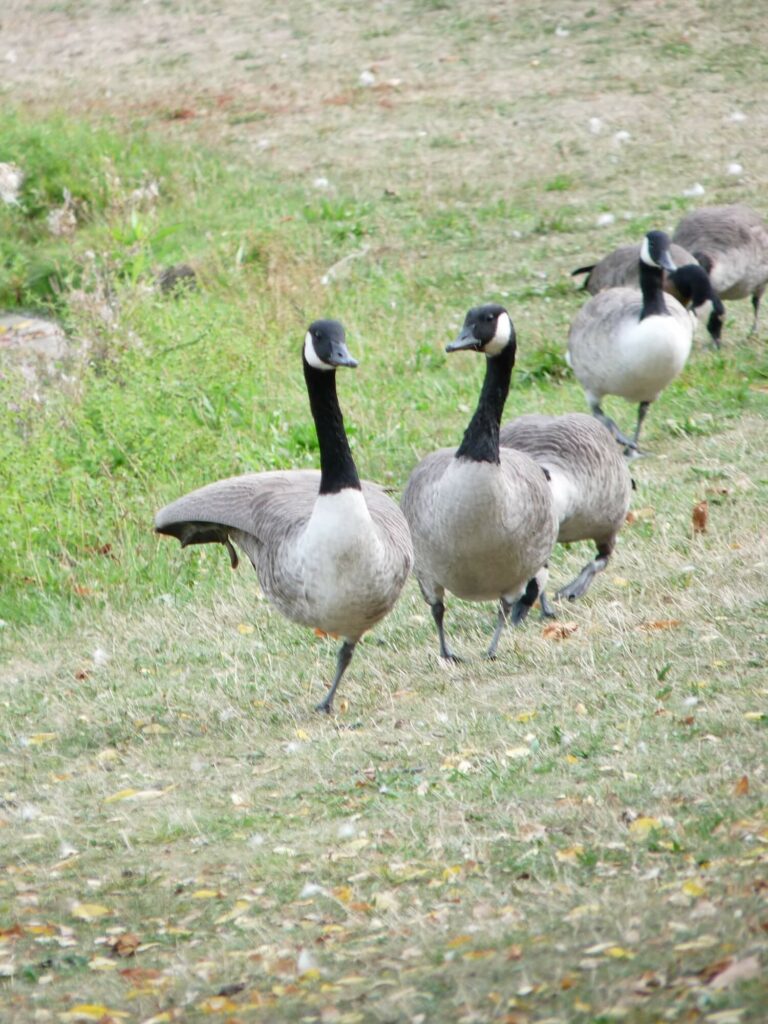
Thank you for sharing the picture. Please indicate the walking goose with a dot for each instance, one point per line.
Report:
(482, 518)
(590, 481)
(731, 243)
(631, 343)
(330, 552)
(689, 283)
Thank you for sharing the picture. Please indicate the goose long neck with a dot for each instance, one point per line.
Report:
(481, 438)
(651, 281)
(337, 467)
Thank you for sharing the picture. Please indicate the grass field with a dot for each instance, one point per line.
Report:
(577, 832)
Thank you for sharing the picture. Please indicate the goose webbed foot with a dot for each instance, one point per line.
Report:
(613, 427)
(346, 651)
(547, 611)
(582, 583)
(438, 611)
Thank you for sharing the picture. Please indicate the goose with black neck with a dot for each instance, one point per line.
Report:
(331, 551)
(631, 343)
(481, 517)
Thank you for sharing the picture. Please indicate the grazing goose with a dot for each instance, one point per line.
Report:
(689, 283)
(590, 481)
(482, 518)
(330, 552)
(631, 343)
(731, 243)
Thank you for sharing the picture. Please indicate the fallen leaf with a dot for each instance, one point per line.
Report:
(125, 944)
(571, 854)
(89, 911)
(102, 963)
(244, 628)
(699, 516)
(642, 827)
(693, 888)
(38, 738)
(90, 1011)
(660, 624)
(619, 953)
(742, 786)
(559, 630)
(739, 970)
(217, 1004)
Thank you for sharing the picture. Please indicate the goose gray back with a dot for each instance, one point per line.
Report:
(590, 481)
(631, 343)
(481, 517)
(731, 242)
(330, 551)
(689, 283)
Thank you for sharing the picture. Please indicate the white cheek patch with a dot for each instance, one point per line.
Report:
(500, 340)
(311, 355)
(645, 254)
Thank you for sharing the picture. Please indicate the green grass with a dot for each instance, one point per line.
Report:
(574, 833)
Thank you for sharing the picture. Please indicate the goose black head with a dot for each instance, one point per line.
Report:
(325, 346)
(654, 251)
(695, 287)
(486, 329)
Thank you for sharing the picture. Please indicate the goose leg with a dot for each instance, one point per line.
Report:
(642, 412)
(505, 607)
(606, 420)
(346, 651)
(757, 294)
(519, 609)
(582, 583)
(438, 611)
(547, 611)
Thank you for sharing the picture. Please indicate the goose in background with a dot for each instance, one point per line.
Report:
(330, 551)
(590, 481)
(689, 283)
(731, 243)
(631, 343)
(481, 517)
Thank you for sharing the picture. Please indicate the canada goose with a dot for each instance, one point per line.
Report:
(731, 243)
(590, 481)
(689, 283)
(330, 552)
(482, 518)
(631, 343)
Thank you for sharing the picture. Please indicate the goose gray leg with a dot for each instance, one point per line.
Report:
(438, 611)
(606, 420)
(642, 412)
(547, 611)
(346, 651)
(505, 608)
(582, 583)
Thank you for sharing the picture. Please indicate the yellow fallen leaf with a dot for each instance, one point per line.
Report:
(693, 888)
(153, 729)
(206, 894)
(620, 581)
(38, 738)
(571, 855)
(477, 954)
(754, 716)
(239, 908)
(693, 945)
(90, 1011)
(102, 963)
(121, 794)
(217, 1004)
(458, 940)
(619, 953)
(89, 911)
(244, 628)
(525, 716)
(641, 828)
(517, 753)
(572, 759)
(301, 734)
(343, 893)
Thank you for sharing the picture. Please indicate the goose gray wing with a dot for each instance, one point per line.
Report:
(620, 268)
(267, 507)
